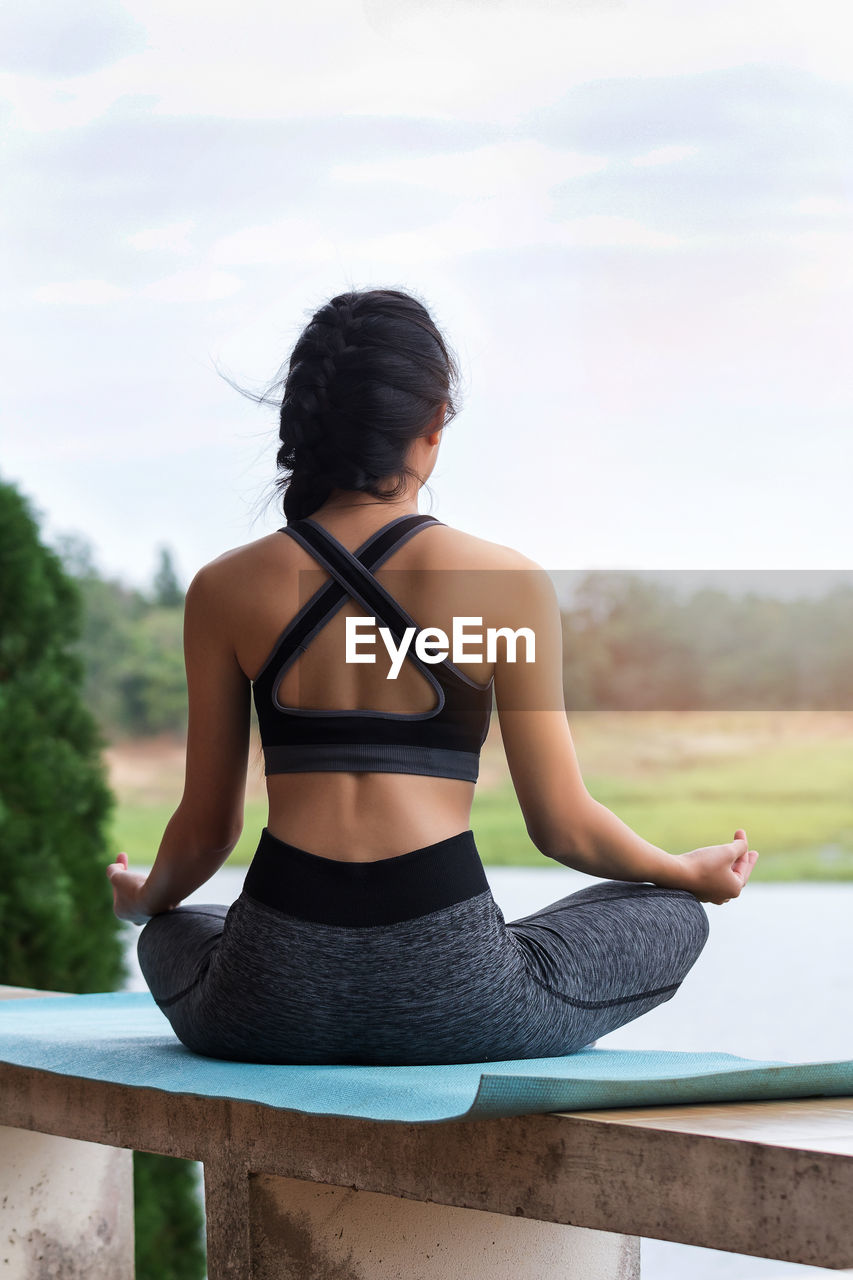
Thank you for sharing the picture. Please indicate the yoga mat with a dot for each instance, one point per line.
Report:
(123, 1037)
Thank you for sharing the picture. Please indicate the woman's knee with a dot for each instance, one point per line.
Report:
(189, 924)
(682, 910)
(152, 954)
(147, 935)
(677, 922)
(691, 923)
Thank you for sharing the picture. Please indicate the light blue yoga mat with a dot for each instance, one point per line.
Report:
(124, 1038)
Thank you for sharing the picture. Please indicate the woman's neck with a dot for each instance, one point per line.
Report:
(352, 500)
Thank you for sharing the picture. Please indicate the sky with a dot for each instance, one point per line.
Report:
(633, 220)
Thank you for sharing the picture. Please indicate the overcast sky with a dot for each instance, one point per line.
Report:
(633, 220)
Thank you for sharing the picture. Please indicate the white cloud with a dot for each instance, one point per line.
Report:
(823, 207)
(818, 263)
(170, 239)
(495, 225)
(601, 231)
(482, 171)
(499, 198)
(201, 285)
(285, 242)
(724, 334)
(466, 62)
(506, 223)
(663, 155)
(46, 105)
(85, 293)
(193, 286)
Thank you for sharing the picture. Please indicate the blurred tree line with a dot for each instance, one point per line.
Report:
(629, 643)
(131, 646)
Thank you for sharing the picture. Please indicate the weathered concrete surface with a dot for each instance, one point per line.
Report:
(774, 1179)
(26, 993)
(66, 1209)
(305, 1231)
(747, 1196)
(226, 1208)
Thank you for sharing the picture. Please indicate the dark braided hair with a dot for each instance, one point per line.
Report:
(367, 376)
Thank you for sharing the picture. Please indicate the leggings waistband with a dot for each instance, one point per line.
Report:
(358, 894)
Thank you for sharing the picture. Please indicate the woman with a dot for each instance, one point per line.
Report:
(366, 931)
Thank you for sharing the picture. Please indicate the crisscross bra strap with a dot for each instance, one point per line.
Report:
(298, 740)
(353, 575)
(331, 596)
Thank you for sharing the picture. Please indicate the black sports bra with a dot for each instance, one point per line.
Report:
(442, 743)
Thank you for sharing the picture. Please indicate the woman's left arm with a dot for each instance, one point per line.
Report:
(207, 823)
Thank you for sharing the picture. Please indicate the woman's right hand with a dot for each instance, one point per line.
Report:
(718, 872)
(127, 890)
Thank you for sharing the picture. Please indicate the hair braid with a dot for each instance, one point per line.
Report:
(366, 377)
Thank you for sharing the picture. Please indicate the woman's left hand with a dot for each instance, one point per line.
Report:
(127, 889)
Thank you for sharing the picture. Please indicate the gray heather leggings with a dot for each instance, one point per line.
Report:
(410, 960)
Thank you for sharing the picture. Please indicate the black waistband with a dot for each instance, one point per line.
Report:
(358, 894)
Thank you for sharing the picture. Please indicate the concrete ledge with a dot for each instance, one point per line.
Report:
(772, 1179)
(26, 993)
(695, 1176)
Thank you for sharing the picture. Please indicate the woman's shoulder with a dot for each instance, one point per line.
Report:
(467, 551)
(238, 567)
(490, 578)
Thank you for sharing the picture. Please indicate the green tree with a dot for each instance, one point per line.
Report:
(57, 929)
(168, 592)
(131, 648)
(55, 925)
(149, 677)
(167, 1219)
(112, 612)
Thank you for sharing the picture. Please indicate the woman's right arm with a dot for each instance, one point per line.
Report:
(563, 820)
(207, 823)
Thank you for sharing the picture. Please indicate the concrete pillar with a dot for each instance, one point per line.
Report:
(66, 1208)
(309, 1231)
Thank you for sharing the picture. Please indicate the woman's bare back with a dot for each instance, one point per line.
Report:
(436, 575)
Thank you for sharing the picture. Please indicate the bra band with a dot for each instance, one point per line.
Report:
(366, 757)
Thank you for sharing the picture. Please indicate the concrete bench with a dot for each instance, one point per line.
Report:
(302, 1197)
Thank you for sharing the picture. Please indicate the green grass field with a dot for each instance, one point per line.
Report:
(691, 784)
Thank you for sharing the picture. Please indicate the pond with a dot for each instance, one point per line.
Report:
(774, 981)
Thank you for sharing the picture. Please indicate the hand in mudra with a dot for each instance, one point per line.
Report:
(127, 889)
(718, 872)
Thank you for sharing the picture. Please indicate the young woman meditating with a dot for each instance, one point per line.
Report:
(366, 931)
